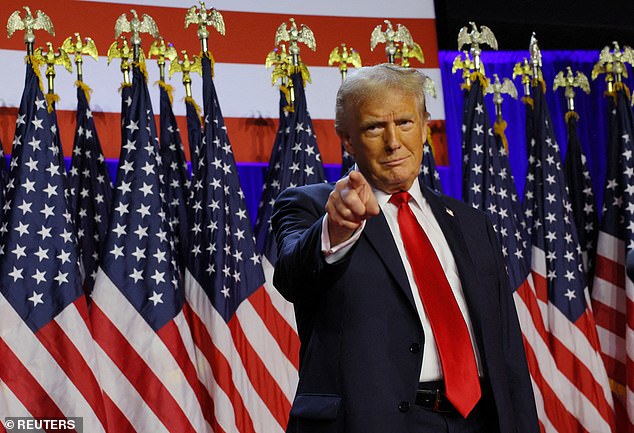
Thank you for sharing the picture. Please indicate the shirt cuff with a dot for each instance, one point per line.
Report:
(338, 252)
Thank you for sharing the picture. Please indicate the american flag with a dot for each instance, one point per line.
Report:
(176, 173)
(491, 188)
(295, 161)
(48, 367)
(90, 191)
(582, 197)
(243, 366)
(347, 161)
(429, 174)
(194, 131)
(581, 382)
(145, 349)
(4, 174)
(612, 290)
(265, 242)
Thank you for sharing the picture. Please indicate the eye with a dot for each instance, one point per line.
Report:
(373, 129)
(406, 123)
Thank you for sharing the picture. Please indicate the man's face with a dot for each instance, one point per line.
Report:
(385, 136)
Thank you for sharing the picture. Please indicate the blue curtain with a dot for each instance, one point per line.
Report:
(591, 108)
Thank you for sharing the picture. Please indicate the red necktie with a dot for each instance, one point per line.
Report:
(462, 385)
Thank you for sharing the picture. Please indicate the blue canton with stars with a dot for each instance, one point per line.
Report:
(138, 254)
(38, 250)
(222, 255)
(490, 185)
(429, 174)
(549, 216)
(295, 161)
(176, 175)
(194, 131)
(90, 191)
(618, 196)
(581, 196)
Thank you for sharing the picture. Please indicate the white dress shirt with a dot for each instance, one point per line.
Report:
(431, 369)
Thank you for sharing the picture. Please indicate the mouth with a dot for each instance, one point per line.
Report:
(394, 162)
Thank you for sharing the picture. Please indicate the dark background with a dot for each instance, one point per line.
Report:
(558, 24)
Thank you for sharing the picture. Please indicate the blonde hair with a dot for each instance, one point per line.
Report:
(363, 82)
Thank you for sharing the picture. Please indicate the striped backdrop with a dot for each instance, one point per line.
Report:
(249, 102)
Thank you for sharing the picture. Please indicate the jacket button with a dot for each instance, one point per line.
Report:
(403, 406)
(414, 348)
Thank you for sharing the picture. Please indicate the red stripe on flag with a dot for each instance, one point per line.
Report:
(25, 387)
(567, 363)
(172, 339)
(264, 384)
(528, 296)
(609, 270)
(616, 369)
(581, 377)
(140, 375)
(609, 318)
(556, 411)
(116, 418)
(65, 353)
(221, 370)
(278, 327)
(98, 20)
(541, 287)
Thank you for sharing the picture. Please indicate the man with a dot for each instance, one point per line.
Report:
(403, 306)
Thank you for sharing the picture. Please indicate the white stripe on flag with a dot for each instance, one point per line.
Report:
(10, 405)
(350, 8)
(255, 84)
(612, 345)
(117, 386)
(285, 308)
(43, 367)
(269, 350)
(217, 328)
(157, 356)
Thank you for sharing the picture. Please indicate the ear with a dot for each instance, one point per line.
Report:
(426, 129)
(347, 145)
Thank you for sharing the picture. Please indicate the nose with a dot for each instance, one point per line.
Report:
(392, 141)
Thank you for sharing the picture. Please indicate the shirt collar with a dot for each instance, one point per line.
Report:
(417, 195)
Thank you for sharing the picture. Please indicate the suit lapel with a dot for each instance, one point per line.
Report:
(378, 234)
(450, 226)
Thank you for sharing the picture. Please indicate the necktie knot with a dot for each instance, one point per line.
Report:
(400, 198)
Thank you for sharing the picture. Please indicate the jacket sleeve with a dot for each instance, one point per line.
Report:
(520, 386)
(301, 272)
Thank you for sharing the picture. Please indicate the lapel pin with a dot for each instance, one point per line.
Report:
(449, 211)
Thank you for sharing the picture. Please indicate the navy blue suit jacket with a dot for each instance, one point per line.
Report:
(361, 336)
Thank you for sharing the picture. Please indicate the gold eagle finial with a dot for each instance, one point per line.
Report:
(135, 27)
(294, 35)
(41, 21)
(344, 56)
(390, 37)
(474, 38)
(52, 58)
(162, 51)
(612, 64)
(499, 88)
(186, 67)
(80, 48)
(203, 18)
(569, 81)
(123, 52)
